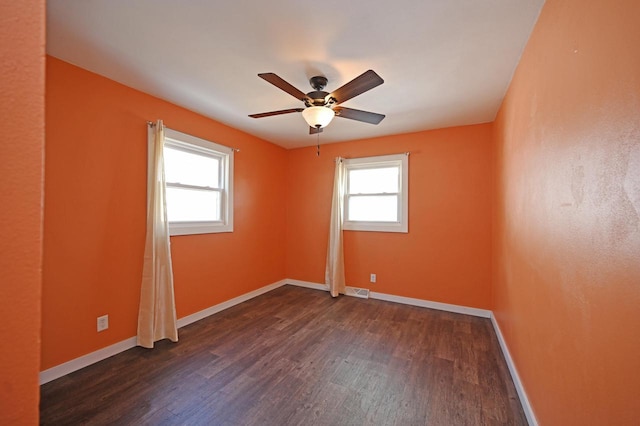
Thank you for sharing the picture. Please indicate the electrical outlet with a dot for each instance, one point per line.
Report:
(103, 322)
(373, 278)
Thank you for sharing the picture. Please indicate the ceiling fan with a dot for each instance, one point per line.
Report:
(320, 106)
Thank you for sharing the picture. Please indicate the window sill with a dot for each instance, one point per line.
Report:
(376, 227)
(198, 228)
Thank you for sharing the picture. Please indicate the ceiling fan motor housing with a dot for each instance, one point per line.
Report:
(318, 82)
(318, 97)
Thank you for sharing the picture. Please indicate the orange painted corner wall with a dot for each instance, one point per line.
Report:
(94, 223)
(22, 73)
(566, 274)
(445, 256)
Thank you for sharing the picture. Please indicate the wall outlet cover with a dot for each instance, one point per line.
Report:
(103, 322)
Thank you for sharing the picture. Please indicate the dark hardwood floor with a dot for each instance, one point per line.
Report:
(295, 356)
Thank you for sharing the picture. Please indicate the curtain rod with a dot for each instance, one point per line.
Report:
(152, 124)
(407, 153)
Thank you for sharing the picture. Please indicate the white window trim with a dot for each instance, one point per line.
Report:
(402, 225)
(179, 140)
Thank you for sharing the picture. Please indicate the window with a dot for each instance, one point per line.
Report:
(376, 194)
(199, 185)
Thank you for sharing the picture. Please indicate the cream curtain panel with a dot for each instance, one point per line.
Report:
(157, 314)
(334, 272)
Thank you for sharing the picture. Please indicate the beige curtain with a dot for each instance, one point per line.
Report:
(334, 272)
(157, 314)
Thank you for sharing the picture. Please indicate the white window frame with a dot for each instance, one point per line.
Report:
(396, 160)
(195, 145)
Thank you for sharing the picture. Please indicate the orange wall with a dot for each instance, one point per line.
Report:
(445, 257)
(21, 189)
(567, 224)
(95, 214)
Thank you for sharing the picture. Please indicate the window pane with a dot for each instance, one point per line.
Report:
(374, 181)
(192, 205)
(377, 208)
(190, 168)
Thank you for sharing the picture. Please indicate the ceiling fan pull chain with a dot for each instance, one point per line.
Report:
(318, 151)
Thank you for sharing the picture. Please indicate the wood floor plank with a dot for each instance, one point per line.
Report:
(296, 356)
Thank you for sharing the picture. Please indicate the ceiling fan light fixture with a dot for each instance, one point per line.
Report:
(318, 116)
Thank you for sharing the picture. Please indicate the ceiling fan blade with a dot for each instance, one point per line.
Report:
(356, 114)
(366, 81)
(282, 111)
(314, 130)
(282, 85)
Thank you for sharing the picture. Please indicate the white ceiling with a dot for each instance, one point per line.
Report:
(444, 62)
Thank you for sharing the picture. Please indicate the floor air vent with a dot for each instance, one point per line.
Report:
(357, 292)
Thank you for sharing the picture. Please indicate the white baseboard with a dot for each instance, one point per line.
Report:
(458, 309)
(349, 291)
(227, 304)
(484, 313)
(526, 405)
(86, 360)
(104, 353)
(307, 284)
